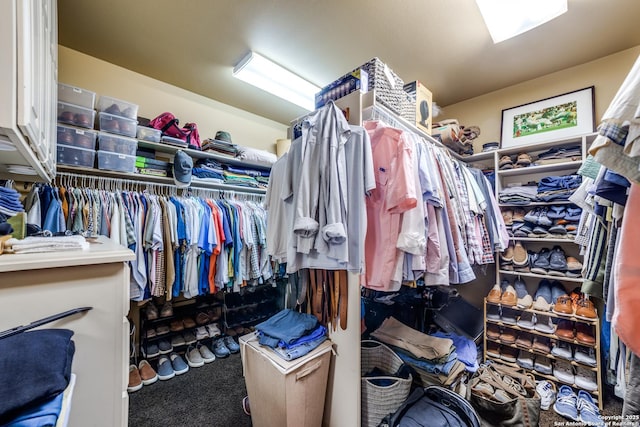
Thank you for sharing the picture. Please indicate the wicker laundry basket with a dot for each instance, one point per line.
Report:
(379, 401)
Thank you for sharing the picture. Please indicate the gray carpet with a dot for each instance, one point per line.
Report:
(212, 396)
(209, 396)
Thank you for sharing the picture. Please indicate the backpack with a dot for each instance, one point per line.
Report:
(433, 406)
(170, 126)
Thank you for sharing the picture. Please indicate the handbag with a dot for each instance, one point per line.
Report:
(504, 396)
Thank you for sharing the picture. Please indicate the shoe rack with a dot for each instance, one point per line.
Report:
(185, 317)
(531, 171)
(241, 310)
(553, 338)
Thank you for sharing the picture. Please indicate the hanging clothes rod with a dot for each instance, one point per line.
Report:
(120, 184)
(382, 113)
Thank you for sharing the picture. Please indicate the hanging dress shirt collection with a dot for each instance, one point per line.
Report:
(417, 212)
(185, 246)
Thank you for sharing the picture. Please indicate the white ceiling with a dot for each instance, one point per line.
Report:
(193, 44)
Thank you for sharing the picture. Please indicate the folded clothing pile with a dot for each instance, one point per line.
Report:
(291, 334)
(149, 166)
(554, 188)
(434, 359)
(33, 382)
(518, 195)
(224, 148)
(34, 244)
(10, 201)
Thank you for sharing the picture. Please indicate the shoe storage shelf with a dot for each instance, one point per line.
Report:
(250, 308)
(505, 319)
(189, 322)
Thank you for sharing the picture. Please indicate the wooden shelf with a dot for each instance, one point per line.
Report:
(549, 355)
(543, 276)
(538, 374)
(542, 334)
(517, 205)
(545, 313)
(541, 239)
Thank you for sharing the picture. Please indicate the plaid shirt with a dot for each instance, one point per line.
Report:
(614, 131)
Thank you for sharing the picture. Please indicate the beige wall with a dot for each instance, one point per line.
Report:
(155, 97)
(606, 74)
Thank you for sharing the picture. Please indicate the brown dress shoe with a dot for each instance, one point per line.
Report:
(541, 345)
(525, 340)
(509, 297)
(565, 329)
(563, 305)
(493, 332)
(584, 333)
(586, 309)
(509, 354)
(494, 294)
(508, 336)
(176, 325)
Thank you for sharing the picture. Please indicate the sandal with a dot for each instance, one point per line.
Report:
(524, 159)
(505, 163)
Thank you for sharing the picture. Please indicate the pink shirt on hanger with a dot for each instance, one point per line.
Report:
(394, 194)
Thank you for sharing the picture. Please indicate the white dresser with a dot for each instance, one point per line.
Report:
(34, 286)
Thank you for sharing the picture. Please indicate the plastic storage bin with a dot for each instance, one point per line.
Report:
(285, 393)
(75, 115)
(117, 144)
(81, 138)
(76, 96)
(116, 162)
(148, 134)
(75, 156)
(118, 107)
(117, 124)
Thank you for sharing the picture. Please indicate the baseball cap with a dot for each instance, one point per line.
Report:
(182, 165)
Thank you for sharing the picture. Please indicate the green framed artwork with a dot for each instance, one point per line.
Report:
(559, 117)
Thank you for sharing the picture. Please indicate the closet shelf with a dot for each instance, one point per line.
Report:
(541, 239)
(565, 166)
(538, 374)
(549, 355)
(517, 205)
(195, 182)
(543, 276)
(538, 333)
(478, 157)
(197, 154)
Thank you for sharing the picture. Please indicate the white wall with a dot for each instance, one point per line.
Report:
(155, 97)
(606, 74)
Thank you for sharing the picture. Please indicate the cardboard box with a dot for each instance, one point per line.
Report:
(423, 103)
(356, 80)
(285, 393)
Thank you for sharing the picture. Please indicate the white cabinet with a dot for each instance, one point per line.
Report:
(34, 286)
(28, 88)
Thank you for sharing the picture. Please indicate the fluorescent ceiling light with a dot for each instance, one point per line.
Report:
(257, 70)
(508, 18)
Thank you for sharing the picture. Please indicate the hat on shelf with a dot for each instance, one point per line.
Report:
(223, 136)
(182, 169)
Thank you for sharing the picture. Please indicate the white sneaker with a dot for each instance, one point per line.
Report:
(547, 391)
(585, 379)
(194, 359)
(585, 355)
(527, 320)
(213, 330)
(544, 324)
(206, 354)
(525, 359)
(201, 333)
(563, 371)
(562, 349)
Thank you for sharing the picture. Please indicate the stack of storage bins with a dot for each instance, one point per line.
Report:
(116, 140)
(76, 138)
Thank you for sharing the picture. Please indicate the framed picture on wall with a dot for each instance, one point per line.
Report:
(563, 116)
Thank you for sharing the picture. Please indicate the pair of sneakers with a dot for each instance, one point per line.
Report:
(225, 346)
(170, 366)
(140, 375)
(197, 355)
(581, 407)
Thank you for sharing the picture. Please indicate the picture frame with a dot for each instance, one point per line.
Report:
(563, 116)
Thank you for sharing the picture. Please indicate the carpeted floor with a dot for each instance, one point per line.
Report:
(209, 396)
(212, 396)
